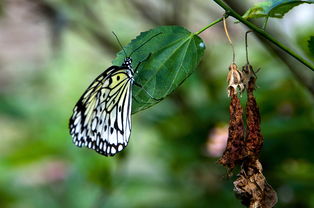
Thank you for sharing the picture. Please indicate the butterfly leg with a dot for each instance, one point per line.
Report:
(140, 86)
(139, 63)
(140, 101)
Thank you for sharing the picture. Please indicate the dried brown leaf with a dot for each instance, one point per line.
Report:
(233, 152)
(254, 139)
(252, 188)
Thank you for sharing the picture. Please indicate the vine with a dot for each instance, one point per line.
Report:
(230, 12)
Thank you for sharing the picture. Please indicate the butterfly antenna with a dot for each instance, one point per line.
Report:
(119, 43)
(145, 42)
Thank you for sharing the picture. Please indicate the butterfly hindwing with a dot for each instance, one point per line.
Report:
(101, 119)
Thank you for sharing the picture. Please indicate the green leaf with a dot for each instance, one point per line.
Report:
(171, 57)
(273, 8)
(311, 45)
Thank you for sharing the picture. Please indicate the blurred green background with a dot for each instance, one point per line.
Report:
(50, 52)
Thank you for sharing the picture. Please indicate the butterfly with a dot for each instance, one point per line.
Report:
(101, 118)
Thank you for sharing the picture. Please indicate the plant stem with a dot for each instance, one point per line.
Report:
(264, 34)
(208, 26)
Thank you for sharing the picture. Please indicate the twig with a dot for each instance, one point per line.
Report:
(227, 34)
(246, 47)
(264, 34)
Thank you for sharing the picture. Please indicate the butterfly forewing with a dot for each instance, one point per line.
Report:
(101, 119)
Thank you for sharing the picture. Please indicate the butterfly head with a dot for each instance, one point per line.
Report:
(127, 62)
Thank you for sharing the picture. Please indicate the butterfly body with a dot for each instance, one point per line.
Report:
(101, 118)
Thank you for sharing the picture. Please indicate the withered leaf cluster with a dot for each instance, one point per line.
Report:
(245, 142)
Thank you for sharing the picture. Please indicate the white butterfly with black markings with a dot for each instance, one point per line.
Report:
(101, 118)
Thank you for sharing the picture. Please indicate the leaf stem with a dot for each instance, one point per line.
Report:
(264, 34)
(208, 26)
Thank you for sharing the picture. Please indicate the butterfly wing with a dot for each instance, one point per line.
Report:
(101, 118)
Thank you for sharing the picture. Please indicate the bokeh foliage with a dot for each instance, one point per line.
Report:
(168, 162)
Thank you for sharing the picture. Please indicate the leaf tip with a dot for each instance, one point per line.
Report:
(311, 45)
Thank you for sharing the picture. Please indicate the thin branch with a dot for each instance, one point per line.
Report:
(229, 39)
(246, 47)
(264, 34)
